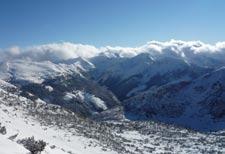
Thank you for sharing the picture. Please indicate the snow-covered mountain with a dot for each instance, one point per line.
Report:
(34, 72)
(66, 83)
(98, 83)
(197, 104)
(112, 92)
(127, 76)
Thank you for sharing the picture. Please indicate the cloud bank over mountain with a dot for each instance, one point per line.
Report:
(51, 52)
(66, 50)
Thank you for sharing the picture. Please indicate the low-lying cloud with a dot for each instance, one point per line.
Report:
(66, 50)
(51, 52)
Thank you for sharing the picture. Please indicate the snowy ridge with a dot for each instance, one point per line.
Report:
(36, 72)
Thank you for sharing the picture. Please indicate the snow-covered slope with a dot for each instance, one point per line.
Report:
(66, 133)
(10, 147)
(166, 56)
(172, 82)
(128, 76)
(35, 72)
(19, 122)
(95, 86)
(53, 81)
(198, 104)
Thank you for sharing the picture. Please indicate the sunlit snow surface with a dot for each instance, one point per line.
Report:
(10, 147)
(16, 122)
(35, 72)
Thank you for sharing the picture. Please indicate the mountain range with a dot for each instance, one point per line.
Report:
(178, 84)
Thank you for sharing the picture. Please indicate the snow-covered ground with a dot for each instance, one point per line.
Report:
(23, 118)
(10, 147)
(18, 123)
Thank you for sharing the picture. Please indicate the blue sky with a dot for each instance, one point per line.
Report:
(110, 22)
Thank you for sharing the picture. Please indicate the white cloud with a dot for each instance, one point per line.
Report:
(14, 50)
(52, 52)
(67, 50)
(60, 51)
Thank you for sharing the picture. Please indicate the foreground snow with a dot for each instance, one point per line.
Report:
(58, 141)
(10, 147)
(64, 141)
